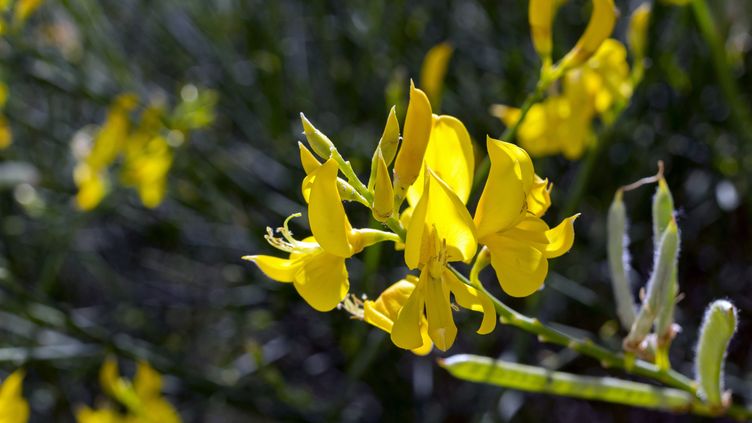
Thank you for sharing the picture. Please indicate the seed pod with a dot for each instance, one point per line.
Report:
(619, 261)
(663, 211)
(718, 326)
(659, 290)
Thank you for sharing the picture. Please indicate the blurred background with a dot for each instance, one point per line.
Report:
(167, 284)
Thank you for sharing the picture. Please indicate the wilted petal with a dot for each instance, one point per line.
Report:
(321, 279)
(326, 214)
(472, 299)
(439, 208)
(278, 269)
(450, 156)
(520, 267)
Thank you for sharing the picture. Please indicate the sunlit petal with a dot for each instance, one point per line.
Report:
(450, 156)
(326, 214)
(321, 279)
(415, 137)
(278, 269)
(406, 331)
(560, 238)
(470, 298)
(520, 267)
(441, 327)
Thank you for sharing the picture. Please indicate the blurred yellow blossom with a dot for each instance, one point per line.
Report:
(433, 70)
(13, 406)
(142, 398)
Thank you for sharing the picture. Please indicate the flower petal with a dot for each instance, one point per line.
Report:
(502, 202)
(414, 139)
(441, 327)
(450, 155)
(279, 269)
(472, 299)
(539, 197)
(560, 238)
(440, 208)
(406, 331)
(326, 214)
(520, 267)
(321, 279)
(384, 311)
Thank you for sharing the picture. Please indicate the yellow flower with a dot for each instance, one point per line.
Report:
(142, 399)
(316, 266)
(441, 231)
(384, 311)
(541, 17)
(604, 79)
(6, 135)
(13, 406)
(433, 70)
(556, 125)
(508, 221)
(563, 123)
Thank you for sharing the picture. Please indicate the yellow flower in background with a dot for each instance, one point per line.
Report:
(563, 122)
(6, 136)
(146, 149)
(604, 78)
(599, 28)
(13, 406)
(316, 266)
(433, 70)
(508, 221)
(142, 398)
(24, 9)
(441, 231)
(556, 125)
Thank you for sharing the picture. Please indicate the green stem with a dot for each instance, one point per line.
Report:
(740, 112)
(509, 133)
(606, 357)
(352, 178)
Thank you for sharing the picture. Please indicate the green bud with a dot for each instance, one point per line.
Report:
(619, 261)
(663, 210)
(718, 326)
(320, 143)
(383, 198)
(659, 289)
(387, 144)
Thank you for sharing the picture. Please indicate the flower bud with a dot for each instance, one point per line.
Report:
(346, 191)
(416, 133)
(320, 143)
(433, 70)
(541, 16)
(638, 31)
(619, 261)
(600, 26)
(383, 198)
(387, 144)
(718, 326)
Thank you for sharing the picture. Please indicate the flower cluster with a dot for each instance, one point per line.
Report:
(145, 146)
(432, 173)
(142, 399)
(595, 81)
